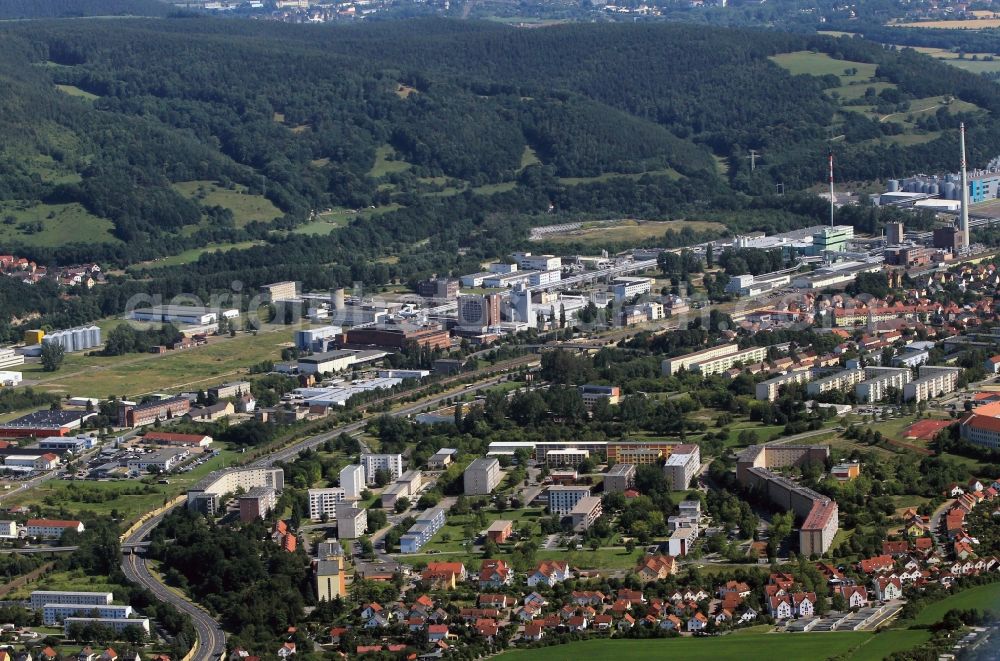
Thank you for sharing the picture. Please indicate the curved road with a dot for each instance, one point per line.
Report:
(211, 639)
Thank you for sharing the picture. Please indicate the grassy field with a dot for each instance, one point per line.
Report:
(879, 646)
(192, 255)
(529, 157)
(977, 24)
(575, 181)
(52, 224)
(978, 65)
(981, 597)
(383, 165)
(821, 64)
(748, 647)
(74, 581)
(222, 359)
(246, 208)
(326, 222)
(73, 90)
(75, 496)
(628, 231)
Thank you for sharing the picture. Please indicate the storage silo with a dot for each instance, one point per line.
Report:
(911, 186)
(934, 189)
(893, 185)
(94, 335)
(80, 339)
(948, 191)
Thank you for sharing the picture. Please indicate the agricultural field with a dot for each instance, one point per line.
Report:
(73, 90)
(979, 23)
(222, 359)
(246, 208)
(628, 231)
(326, 222)
(192, 255)
(821, 64)
(748, 647)
(49, 225)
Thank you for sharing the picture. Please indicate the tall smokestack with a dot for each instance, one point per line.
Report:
(964, 222)
(831, 187)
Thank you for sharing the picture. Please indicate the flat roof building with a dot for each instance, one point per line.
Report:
(620, 478)
(482, 476)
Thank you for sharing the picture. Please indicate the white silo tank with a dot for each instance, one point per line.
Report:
(79, 339)
(94, 333)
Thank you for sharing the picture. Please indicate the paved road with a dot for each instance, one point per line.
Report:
(211, 638)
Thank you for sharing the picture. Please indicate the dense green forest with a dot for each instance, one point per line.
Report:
(21, 9)
(152, 137)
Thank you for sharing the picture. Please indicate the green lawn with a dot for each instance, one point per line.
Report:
(816, 647)
(983, 597)
(529, 157)
(383, 165)
(72, 581)
(52, 224)
(821, 64)
(881, 645)
(192, 255)
(246, 208)
(73, 90)
(326, 222)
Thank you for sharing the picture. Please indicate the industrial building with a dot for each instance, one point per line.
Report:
(162, 461)
(280, 291)
(10, 379)
(326, 363)
(75, 339)
(139, 415)
(482, 476)
(230, 390)
(184, 314)
(478, 312)
(10, 358)
(316, 339)
(44, 424)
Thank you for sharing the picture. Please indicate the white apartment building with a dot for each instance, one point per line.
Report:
(325, 501)
(672, 366)
(39, 598)
(841, 380)
(352, 481)
(932, 382)
(206, 495)
(879, 382)
(56, 613)
(562, 499)
(8, 529)
(769, 390)
(720, 364)
(352, 522)
(372, 463)
(681, 466)
(482, 476)
(625, 288)
(585, 513)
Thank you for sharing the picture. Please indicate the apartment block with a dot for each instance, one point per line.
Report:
(586, 511)
(769, 390)
(672, 366)
(40, 598)
(257, 503)
(681, 466)
(426, 525)
(324, 502)
(56, 613)
(352, 481)
(841, 380)
(352, 522)
(880, 381)
(931, 382)
(372, 463)
(620, 478)
(562, 499)
(720, 364)
(482, 476)
(206, 495)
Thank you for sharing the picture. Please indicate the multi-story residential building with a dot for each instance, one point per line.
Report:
(499, 531)
(626, 288)
(672, 366)
(39, 598)
(230, 390)
(769, 390)
(115, 624)
(50, 528)
(352, 481)
(585, 512)
(324, 502)
(592, 394)
(257, 503)
(841, 380)
(562, 499)
(931, 382)
(352, 522)
(681, 466)
(482, 476)
(880, 381)
(206, 495)
(56, 613)
(372, 463)
(426, 525)
(8, 529)
(620, 478)
(720, 364)
(280, 291)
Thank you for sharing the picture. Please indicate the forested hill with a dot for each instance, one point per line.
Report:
(129, 140)
(23, 9)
